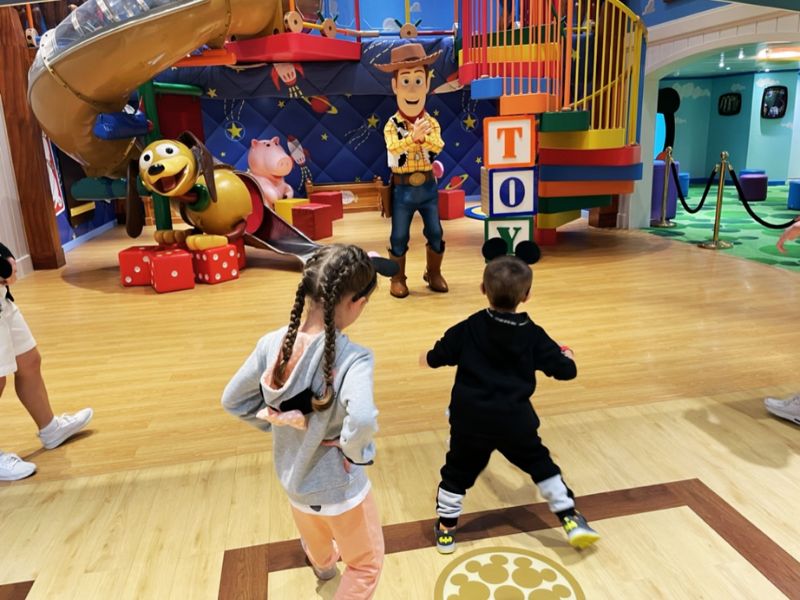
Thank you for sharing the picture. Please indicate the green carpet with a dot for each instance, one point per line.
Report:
(750, 240)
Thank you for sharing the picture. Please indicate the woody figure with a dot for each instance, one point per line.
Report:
(413, 139)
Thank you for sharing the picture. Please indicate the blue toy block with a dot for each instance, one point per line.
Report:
(120, 126)
(590, 173)
(512, 192)
(488, 88)
(794, 195)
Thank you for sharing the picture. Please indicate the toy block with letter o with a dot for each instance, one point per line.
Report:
(509, 142)
(315, 220)
(172, 270)
(512, 231)
(512, 192)
(451, 204)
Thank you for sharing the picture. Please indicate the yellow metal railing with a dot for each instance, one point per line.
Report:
(608, 47)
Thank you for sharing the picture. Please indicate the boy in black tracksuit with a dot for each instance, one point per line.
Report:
(497, 352)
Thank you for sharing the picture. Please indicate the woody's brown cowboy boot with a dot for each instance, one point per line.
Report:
(398, 287)
(433, 270)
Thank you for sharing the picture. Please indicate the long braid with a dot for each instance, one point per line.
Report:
(331, 294)
(291, 332)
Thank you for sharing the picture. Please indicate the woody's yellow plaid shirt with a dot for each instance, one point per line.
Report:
(400, 142)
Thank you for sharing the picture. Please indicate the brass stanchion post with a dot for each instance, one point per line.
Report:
(664, 222)
(716, 243)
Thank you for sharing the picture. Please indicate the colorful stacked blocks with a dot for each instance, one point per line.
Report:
(314, 220)
(332, 199)
(451, 204)
(284, 207)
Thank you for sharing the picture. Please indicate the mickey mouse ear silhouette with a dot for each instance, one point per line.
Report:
(494, 247)
(528, 252)
(383, 266)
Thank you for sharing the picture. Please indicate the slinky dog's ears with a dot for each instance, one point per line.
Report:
(204, 159)
(527, 252)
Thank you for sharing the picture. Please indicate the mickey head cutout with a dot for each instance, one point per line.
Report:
(527, 252)
(383, 266)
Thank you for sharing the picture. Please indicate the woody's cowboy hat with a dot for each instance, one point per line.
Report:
(408, 56)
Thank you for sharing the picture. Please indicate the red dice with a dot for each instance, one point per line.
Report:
(134, 265)
(332, 199)
(451, 204)
(172, 271)
(239, 243)
(315, 220)
(216, 264)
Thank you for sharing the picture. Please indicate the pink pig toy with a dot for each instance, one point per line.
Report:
(268, 163)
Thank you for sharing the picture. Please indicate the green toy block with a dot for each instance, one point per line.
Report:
(556, 205)
(567, 120)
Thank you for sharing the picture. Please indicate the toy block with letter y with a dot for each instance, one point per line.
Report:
(511, 231)
(509, 142)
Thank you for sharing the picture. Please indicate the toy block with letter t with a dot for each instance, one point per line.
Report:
(509, 142)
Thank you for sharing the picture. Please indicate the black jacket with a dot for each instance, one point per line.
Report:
(5, 266)
(497, 355)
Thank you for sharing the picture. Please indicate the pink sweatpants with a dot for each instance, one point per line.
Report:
(358, 535)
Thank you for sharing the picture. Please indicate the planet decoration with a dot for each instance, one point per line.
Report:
(456, 181)
(321, 105)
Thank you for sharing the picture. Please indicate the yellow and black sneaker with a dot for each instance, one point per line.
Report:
(579, 533)
(445, 539)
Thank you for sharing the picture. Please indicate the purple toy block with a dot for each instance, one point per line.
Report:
(754, 186)
(658, 191)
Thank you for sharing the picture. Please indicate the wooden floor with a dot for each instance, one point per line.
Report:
(676, 348)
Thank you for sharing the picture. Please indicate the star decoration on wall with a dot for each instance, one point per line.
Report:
(436, 112)
(235, 131)
(358, 180)
(457, 144)
(222, 154)
(211, 92)
(373, 121)
(281, 103)
(469, 122)
(478, 160)
(324, 137)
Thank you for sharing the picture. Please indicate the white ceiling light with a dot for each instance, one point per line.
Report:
(741, 53)
(721, 60)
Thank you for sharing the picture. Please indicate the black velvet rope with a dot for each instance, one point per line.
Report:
(686, 207)
(749, 210)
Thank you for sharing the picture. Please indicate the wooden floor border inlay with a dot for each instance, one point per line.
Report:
(15, 591)
(245, 571)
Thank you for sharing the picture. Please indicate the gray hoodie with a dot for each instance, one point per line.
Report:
(313, 475)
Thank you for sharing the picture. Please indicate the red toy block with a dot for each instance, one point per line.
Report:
(315, 220)
(134, 265)
(216, 265)
(240, 255)
(545, 237)
(332, 199)
(172, 271)
(451, 204)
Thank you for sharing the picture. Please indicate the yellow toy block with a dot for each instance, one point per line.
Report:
(284, 207)
(554, 220)
(594, 139)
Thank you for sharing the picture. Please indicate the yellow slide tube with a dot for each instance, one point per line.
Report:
(94, 59)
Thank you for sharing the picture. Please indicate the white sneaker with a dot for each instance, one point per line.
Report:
(12, 467)
(65, 427)
(785, 409)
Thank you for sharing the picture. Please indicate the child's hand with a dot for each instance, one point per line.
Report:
(423, 360)
(567, 351)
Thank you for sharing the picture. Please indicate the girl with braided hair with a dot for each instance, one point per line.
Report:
(313, 387)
